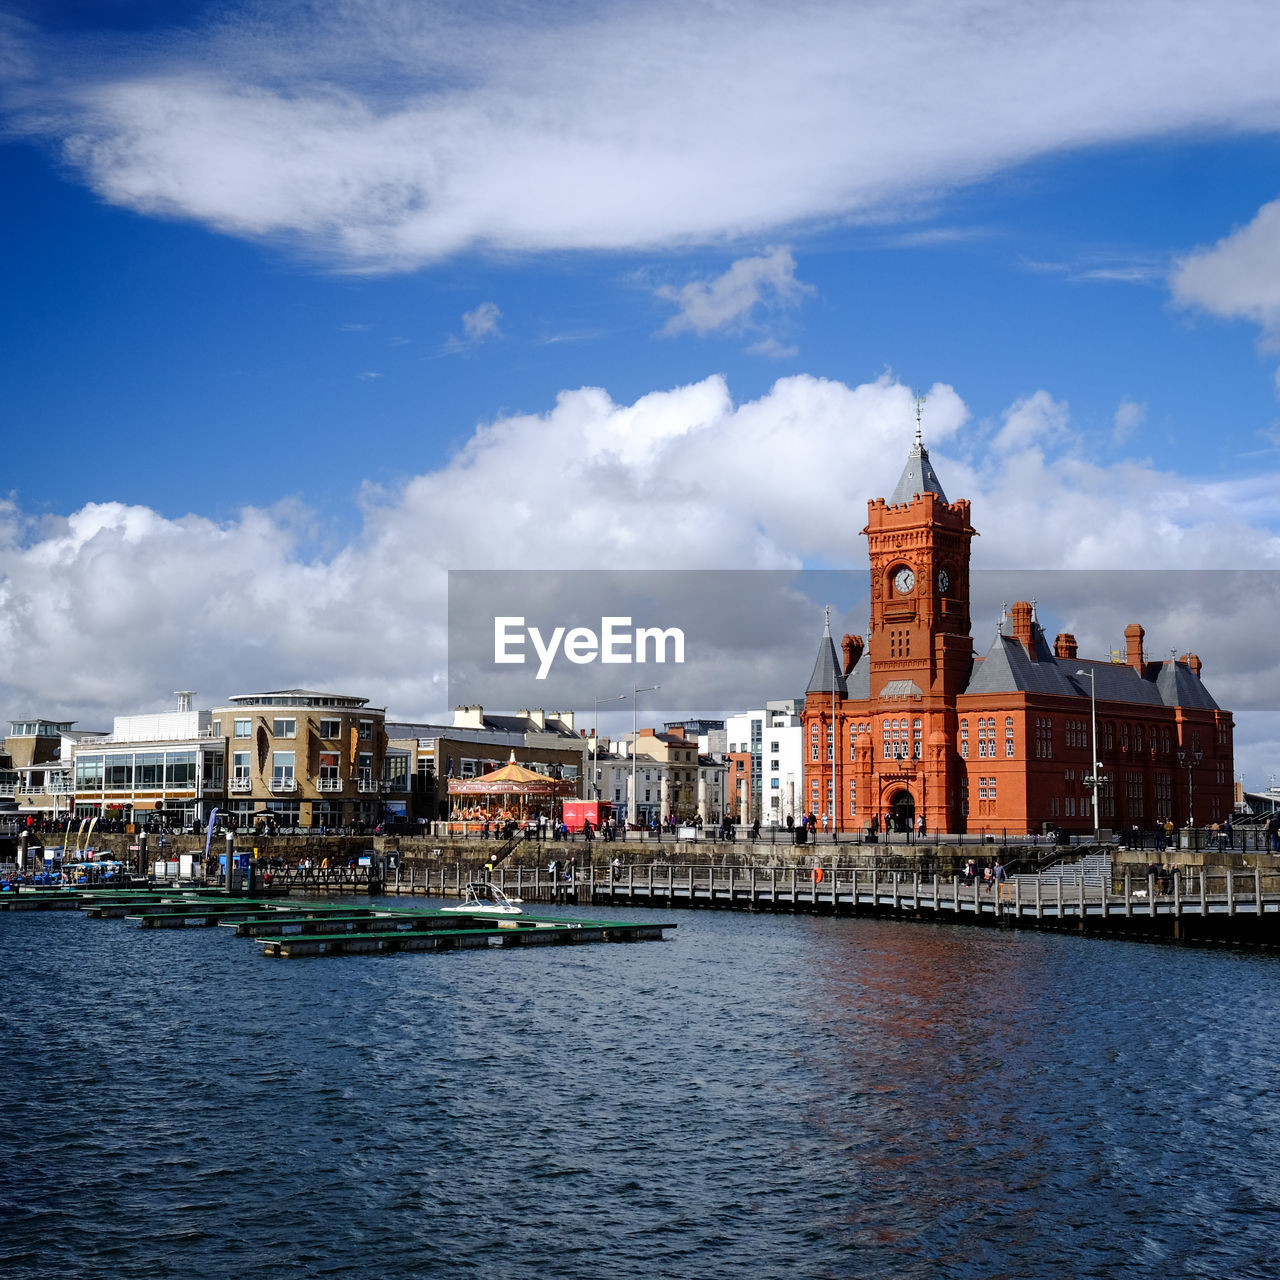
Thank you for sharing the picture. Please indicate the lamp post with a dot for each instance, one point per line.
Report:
(1189, 760)
(1093, 780)
(633, 812)
(595, 739)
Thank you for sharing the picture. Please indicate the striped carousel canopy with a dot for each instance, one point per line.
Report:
(511, 780)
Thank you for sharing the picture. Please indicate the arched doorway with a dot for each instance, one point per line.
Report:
(902, 811)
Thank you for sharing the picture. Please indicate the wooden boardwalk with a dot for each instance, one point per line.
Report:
(1202, 903)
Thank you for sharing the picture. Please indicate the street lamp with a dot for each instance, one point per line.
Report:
(1189, 760)
(595, 737)
(1093, 780)
(633, 813)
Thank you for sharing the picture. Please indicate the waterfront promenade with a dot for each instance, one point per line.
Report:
(1197, 904)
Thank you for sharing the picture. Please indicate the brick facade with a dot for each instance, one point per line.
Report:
(926, 728)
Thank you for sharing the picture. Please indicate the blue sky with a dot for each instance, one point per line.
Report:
(316, 289)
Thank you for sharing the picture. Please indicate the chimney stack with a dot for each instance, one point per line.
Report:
(1133, 637)
(1193, 661)
(1024, 627)
(852, 646)
(1065, 646)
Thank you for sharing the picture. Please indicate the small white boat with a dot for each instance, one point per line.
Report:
(481, 899)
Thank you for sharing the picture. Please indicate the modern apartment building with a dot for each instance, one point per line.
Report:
(301, 757)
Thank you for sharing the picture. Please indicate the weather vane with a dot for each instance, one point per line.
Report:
(919, 414)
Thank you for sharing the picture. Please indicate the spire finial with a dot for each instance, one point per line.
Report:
(827, 611)
(920, 398)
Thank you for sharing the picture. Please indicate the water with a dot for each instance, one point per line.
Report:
(757, 1097)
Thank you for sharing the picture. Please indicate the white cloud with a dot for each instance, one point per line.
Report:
(482, 322)
(110, 608)
(1128, 418)
(1036, 421)
(774, 349)
(381, 136)
(730, 301)
(1239, 277)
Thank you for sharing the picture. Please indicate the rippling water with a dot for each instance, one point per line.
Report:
(759, 1096)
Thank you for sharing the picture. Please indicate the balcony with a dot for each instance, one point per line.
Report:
(284, 784)
(8, 790)
(328, 784)
(241, 784)
(369, 785)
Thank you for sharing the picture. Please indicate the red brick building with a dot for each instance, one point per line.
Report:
(926, 728)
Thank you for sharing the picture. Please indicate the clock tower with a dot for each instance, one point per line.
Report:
(918, 544)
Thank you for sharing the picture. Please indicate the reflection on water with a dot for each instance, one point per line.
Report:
(759, 1096)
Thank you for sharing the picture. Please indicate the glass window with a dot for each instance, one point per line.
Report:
(366, 730)
(284, 727)
(88, 773)
(148, 770)
(119, 772)
(180, 769)
(244, 728)
(330, 729)
(282, 766)
(213, 764)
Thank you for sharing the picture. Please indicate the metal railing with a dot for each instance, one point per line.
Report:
(284, 784)
(328, 784)
(241, 784)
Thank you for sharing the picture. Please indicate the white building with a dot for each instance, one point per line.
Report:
(167, 763)
(773, 738)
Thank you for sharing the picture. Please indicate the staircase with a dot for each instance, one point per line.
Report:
(1094, 870)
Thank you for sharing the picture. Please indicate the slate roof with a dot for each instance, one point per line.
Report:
(901, 689)
(858, 681)
(1007, 668)
(918, 476)
(827, 670)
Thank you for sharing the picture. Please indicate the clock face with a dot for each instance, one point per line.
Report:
(944, 581)
(903, 581)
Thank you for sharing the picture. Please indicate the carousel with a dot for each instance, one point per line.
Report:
(510, 793)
